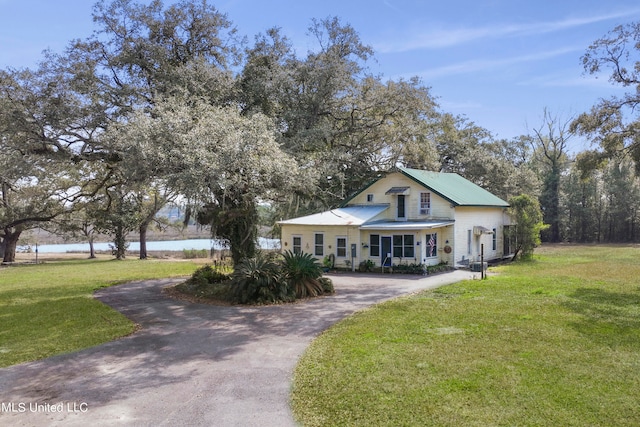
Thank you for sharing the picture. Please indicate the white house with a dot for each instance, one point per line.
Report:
(408, 216)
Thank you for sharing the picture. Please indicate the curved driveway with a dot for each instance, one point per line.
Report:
(189, 364)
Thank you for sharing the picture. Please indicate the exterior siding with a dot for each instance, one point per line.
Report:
(330, 233)
(445, 237)
(454, 237)
(440, 208)
(469, 217)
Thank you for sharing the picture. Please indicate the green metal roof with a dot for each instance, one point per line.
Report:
(454, 188)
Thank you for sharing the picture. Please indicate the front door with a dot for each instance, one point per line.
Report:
(385, 243)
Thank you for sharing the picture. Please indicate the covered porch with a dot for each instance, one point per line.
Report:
(388, 243)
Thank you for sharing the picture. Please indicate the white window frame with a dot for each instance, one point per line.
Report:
(378, 245)
(316, 245)
(403, 247)
(426, 245)
(370, 197)
(425, 210)
(494, 240)
(338, 247)
(404, 207)
(293, 243)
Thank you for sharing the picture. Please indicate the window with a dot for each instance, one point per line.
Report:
(494, 241)
(397, 246)
(369, 197)
(401, 207)
(374, 245)
(319, 247)
(341, 247)
(425, 203)
(409, 251)
(403, 246)
(432, 245)
(297, 244)
(469, 234)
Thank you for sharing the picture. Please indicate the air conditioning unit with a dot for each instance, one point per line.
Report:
(424, 211)
(477, 266)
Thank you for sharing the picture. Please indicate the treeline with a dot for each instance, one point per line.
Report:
(601, 206)
(170, 105)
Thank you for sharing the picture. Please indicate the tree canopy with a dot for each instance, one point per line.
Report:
(168, 103)
(525, 211)
(614, 123)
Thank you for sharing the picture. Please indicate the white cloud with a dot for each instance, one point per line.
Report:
(600, 81)
(390, 5)
(477, 65)
(447, 37)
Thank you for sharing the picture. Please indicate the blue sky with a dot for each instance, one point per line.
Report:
(497, 62)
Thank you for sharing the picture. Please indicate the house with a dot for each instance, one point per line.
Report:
(408, 216)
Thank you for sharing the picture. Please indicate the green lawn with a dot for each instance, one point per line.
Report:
(552, 342)
(48, 309)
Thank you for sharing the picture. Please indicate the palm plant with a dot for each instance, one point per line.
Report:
(303, 273)
(260, 280)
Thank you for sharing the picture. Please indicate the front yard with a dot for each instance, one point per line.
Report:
(555, 341)
(48, 309)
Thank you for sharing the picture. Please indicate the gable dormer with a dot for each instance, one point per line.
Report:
(400, 195)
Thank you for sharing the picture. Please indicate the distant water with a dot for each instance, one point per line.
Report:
(167, 245)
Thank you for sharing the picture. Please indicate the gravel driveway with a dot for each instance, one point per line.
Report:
(189, 364)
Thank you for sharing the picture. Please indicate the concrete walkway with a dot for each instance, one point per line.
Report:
(190, 364)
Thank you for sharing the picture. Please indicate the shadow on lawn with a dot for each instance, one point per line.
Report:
(608, 318)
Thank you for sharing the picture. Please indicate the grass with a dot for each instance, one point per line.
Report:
(48, 309)
(555, 341)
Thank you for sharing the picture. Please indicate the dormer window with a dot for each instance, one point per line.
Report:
(400, 193)
(401, 207)
(425, 203)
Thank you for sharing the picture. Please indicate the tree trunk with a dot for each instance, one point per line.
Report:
(92, 252)
(120, 242)
(158, 203)
(9, 244)
(243, 232)
(143, 239)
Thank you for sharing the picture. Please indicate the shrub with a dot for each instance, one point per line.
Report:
(207, 281)
(367, 266)
(259, 280)
(409, 268)
(327, 285)
(207, 275)
(329, 261)
(195, 253)
(264, 279)
(302, 271)
(438, 268)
